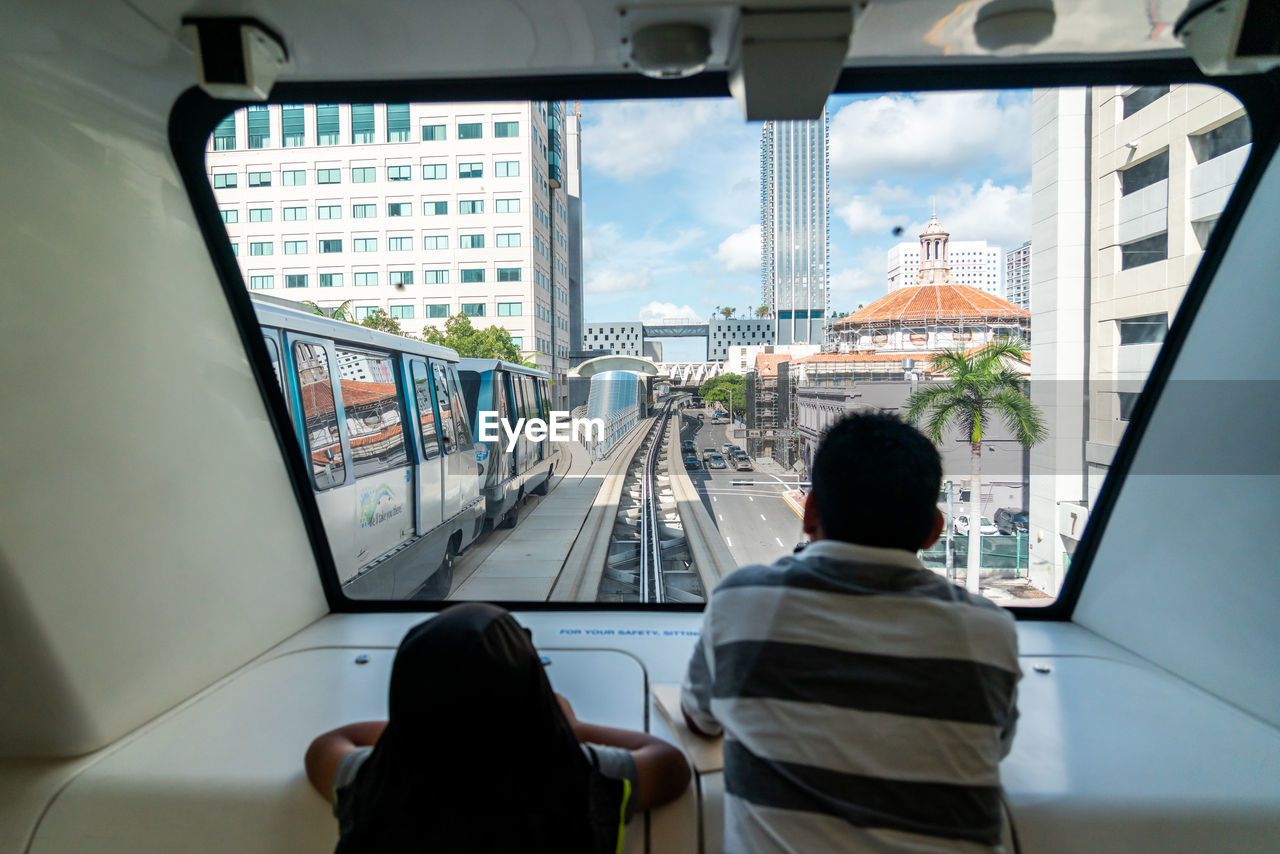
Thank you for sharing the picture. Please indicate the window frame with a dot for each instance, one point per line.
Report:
(195, 114)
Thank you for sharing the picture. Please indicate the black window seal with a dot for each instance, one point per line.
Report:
(194, 115)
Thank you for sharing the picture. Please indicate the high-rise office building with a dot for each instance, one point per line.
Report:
(1017, 276)
(795, 231)
(424, 211)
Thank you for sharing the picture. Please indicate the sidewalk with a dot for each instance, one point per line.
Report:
(527, 563)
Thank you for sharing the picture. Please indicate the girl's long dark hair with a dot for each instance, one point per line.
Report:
(477, 755)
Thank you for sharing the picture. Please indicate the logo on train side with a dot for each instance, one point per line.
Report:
(378, 505)
(561, 428)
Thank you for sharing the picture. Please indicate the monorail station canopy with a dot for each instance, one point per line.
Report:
(612, 362)
(934, 314)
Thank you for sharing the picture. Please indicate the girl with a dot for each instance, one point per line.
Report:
(480, 755)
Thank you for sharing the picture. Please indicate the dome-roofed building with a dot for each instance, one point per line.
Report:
(933, 315)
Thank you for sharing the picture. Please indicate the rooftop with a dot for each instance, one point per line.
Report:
(934, 303)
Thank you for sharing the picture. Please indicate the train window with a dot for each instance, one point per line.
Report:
(900, 238)
(372, 410)
(448, 429)
(320, 416)
(460, 409)
(426, 411)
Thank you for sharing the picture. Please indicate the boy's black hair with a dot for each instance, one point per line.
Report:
(876, 481)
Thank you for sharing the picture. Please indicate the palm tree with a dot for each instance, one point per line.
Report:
(978, 385)
(762, 311)
(727, 311)
(342, 311)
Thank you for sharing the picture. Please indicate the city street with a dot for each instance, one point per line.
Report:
(756, 521)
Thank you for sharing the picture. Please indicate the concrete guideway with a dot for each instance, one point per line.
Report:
(527, 563)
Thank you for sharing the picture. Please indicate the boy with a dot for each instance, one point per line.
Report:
(866, 701)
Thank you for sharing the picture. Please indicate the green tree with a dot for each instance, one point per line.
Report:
(493, 342)
(341, 311)
(381, 321)
(762, 311)
(727, 311)
(977, 386)
(727, 389)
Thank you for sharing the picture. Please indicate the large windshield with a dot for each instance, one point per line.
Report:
(614, 332)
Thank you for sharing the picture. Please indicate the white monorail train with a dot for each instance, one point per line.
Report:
(172, 613)
(382, 424)
(513, 392)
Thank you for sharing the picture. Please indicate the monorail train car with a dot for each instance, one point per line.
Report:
(513, 392)
(387, 436)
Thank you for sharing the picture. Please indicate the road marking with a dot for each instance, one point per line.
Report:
(749, 498)
(779, 539)
(721, 516)
(728, 542)
(713, 498)
(762, 519)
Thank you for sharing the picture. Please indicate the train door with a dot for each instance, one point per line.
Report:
(374, 412)
(468, 467)
(454, 462)
(322, 435)
(507, 409)
(430, 480)
(544, 412)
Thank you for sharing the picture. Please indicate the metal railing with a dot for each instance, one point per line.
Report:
(615, 429)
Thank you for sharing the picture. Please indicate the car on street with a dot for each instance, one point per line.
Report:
(706, 453)
(1010, 521)
(727, 449)
(742, 463)
(691, 461)
(716, 461)
(985, 526)
(688, 447)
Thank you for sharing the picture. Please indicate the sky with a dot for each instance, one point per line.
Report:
(671, 196)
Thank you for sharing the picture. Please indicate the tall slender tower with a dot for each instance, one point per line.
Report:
(795, 228)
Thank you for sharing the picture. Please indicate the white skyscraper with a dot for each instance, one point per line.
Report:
(1017, 276)
(795, 236)
(422, 210)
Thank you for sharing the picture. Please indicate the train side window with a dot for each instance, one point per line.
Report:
(546, 403)
(320, 416)
(372, 408)
(426, 412)
(448, 433)
(460, 407)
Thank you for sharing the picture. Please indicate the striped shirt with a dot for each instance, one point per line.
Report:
(866, 703)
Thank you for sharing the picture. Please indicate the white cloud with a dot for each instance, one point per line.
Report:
(1000, 215)
(618, 281)
(865, 216)
(932, 133)
(627, 140)
(863, 282)
(740, 252)
(656, 312)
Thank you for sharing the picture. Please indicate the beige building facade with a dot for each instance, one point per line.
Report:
(1127, 184)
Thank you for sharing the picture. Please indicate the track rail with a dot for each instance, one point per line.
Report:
(651, 584)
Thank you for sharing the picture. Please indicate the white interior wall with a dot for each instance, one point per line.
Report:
(149, 539)
(1185, 574)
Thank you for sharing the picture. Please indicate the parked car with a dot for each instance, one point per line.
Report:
(985, 526)
(716, 461)
(691, 461)
(742, 463)
(1010, 521)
